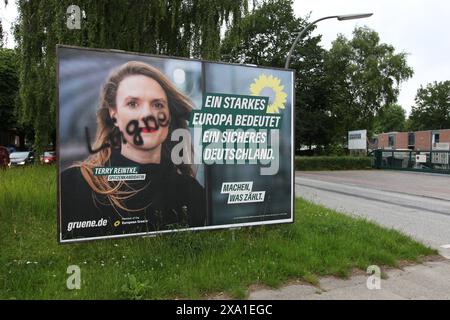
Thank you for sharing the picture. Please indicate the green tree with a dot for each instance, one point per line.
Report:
(9, 85)
(264, 37)
(391, 117)
(432, 109)
(9, 90)
(365, 76)
(188, 28)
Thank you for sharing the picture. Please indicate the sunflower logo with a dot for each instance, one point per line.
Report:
(270, 86)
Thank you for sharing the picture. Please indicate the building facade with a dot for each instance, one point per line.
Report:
(418, 140)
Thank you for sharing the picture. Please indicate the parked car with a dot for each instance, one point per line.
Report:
(21, 158)
(4, 157)
(48, 157)
(11, 149)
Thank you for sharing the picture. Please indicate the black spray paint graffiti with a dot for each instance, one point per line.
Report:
(116, 137)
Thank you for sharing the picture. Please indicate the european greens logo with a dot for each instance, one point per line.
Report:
(270, 86)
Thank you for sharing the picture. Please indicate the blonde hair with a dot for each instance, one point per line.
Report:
(179, 107)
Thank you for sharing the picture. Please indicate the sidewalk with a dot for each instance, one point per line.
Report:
(430, 280)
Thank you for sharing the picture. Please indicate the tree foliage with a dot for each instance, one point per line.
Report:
(365, 76)
(9, 84)
(189, 28)
(389, 118)
(432, 109)
(264, 36)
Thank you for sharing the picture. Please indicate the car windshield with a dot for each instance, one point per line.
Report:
(49, 154)
(18, 155)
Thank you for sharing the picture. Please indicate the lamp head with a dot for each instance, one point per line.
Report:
(354, 16)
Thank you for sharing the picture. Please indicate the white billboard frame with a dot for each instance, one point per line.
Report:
(209, 227)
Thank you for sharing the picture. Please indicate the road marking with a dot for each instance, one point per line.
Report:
(446, 246)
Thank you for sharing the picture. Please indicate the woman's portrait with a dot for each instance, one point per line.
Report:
(138, 109)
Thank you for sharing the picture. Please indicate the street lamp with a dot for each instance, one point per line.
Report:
(340, 18)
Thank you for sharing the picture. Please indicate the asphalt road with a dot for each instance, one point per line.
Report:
(417, 204)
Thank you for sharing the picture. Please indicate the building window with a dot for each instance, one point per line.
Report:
(411, 139)
(435, 138)
(391, 140)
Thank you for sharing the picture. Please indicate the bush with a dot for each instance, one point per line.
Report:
(332, 163)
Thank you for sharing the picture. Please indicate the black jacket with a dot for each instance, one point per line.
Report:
(166, 200)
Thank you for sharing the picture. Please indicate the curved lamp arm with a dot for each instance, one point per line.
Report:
(340, 18)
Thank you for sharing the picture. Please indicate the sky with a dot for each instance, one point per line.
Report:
(417, 27)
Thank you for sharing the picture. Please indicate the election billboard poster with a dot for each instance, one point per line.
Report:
(150, 144)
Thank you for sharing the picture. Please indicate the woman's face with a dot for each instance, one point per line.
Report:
(142, 112)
